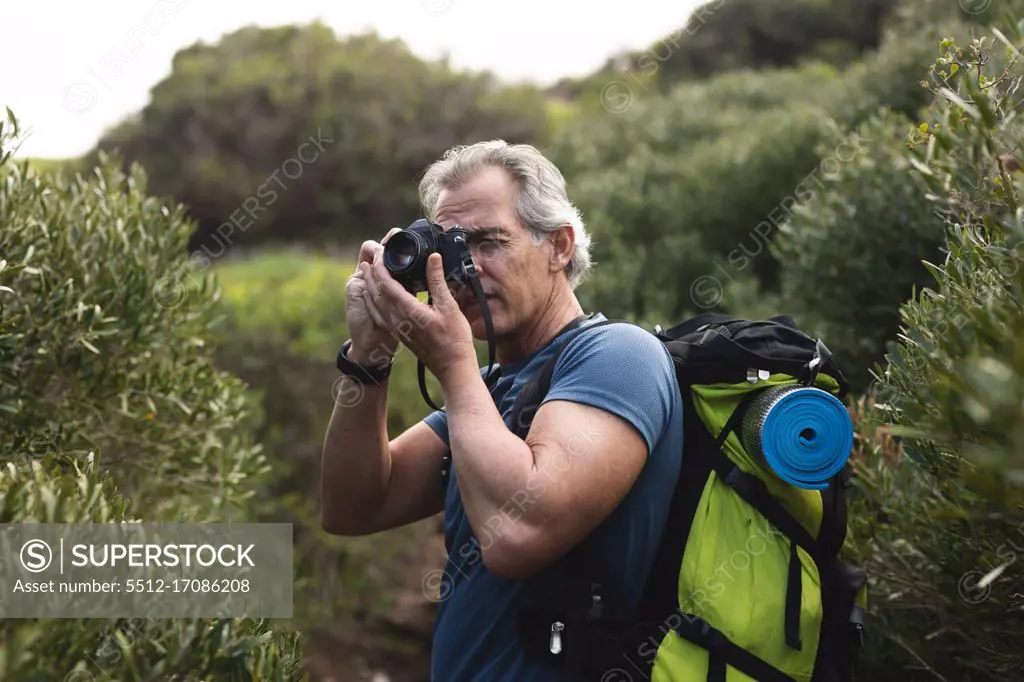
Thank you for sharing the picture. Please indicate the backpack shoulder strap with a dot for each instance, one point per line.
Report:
(528, 400)
(580, 599)
(530, 397)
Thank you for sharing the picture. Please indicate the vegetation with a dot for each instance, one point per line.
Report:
(167, 335)
(944, 538)
(267, 136)
(115, 412)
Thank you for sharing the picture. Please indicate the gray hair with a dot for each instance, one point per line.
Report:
(543, 205)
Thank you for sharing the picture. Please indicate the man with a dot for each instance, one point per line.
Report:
(603, 453)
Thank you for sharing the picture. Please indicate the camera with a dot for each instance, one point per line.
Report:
(406, 252)
(405, 257)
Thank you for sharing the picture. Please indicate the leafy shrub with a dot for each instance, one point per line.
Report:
(107, 354)
(50, 490)
(717, 37)
(290, 133)
(955, 373)
(925, 541)
(942, 530)
(677, 189)
(686, 115)
(855, 243)
(114, 412)
(890, 77)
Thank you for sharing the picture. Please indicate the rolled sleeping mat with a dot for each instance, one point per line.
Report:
(804, 434)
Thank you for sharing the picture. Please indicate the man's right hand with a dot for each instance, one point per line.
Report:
(372, 343)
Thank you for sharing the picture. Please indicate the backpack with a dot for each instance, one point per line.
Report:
(747, 583)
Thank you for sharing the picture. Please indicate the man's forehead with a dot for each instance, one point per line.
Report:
(478, 216)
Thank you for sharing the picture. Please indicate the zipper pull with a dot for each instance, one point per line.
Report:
(596, 607)
(556, 637)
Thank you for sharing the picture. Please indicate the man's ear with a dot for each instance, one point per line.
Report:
(563, 240)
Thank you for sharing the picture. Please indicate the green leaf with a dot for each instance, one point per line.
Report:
(959, 101)
(908, 432)
(1004, 40)
(920, 166)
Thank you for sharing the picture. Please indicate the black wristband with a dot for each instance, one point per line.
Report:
(362, 373)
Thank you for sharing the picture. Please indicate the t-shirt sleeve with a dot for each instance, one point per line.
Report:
(438, 421)
(621, 368)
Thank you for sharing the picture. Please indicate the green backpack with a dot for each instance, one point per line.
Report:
(747, 583)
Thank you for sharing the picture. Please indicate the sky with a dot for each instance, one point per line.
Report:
(72, 70)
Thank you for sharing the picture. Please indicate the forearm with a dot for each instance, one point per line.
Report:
(496, 469)
(355, 463)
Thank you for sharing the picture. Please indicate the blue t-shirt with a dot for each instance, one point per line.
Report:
(621, 368)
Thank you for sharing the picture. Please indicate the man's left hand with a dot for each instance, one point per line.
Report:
(439, 334)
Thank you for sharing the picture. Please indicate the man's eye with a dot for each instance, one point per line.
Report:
(487, 248)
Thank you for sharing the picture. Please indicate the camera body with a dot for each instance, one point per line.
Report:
(406, 252)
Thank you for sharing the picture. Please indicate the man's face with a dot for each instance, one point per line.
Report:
(514, 273)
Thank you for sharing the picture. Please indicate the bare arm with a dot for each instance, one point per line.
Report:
(541, 496)
(369, 484)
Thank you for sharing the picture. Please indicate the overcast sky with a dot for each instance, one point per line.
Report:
(60, 77)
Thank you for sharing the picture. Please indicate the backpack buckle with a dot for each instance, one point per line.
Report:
(821, 357)
(755, 375)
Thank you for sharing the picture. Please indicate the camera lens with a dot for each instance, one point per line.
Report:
(402, 251)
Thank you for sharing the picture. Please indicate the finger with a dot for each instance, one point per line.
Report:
(392, 231)
(385, 311)
(368, 250)
(372, 283)
(439, 292)
(374, 313)
(392, 293)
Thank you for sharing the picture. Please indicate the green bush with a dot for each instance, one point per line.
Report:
(686, 115)
(52, 490)
(717, 37)
(108, 352)
(890, 77)
(291, 133)
(955, 374)
(855, 243)
(925, 541)
(684, 188)
(114, 412)
(941, 529)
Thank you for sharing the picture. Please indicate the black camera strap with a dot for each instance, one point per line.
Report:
(468, 274)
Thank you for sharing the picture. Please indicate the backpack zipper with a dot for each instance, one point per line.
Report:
(556, 637)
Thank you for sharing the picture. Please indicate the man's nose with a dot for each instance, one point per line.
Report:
(477, 260)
